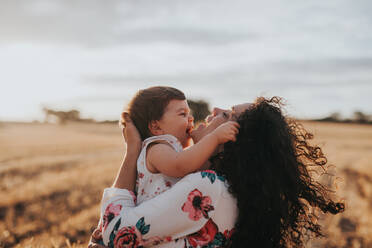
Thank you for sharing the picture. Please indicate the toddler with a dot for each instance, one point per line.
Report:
(162, 117)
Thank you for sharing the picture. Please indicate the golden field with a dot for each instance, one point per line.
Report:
(52, 178)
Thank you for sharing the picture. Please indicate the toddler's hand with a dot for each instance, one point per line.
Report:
(226, 132)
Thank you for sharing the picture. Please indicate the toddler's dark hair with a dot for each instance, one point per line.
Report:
(149, 105)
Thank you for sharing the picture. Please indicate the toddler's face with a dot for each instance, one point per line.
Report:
(177, 121)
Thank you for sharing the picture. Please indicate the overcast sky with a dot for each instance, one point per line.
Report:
(94, 55)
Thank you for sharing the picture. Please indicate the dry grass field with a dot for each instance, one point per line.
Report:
(52, 178)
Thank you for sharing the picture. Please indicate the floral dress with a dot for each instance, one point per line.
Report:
(151, 184)
(198, 211)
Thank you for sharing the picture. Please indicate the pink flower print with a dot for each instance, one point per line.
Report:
(228, 233)
(168, 184)
(140, 175)
(197, 205)
(110, 213)
(128, 237)
(155, 240)
(204, 236)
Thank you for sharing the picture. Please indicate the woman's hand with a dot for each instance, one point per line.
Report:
(130, 133)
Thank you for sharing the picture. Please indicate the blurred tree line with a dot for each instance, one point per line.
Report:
(62, 117)
(357, 117)
(199, 109)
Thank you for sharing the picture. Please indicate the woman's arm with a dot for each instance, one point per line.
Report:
(126, 177)
(178, 212)
(186, 208)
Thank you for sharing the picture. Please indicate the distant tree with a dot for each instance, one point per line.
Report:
(360, 117)
(357, 117)
(61, 116)
(335, 116)
(199, 109)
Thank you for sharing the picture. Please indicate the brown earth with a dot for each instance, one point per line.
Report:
(52, 178)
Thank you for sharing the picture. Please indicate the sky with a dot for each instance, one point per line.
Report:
(94, 55)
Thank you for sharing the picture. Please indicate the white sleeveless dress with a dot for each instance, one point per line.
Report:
(151, 184)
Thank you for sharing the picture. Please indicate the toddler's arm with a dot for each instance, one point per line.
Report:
(164, 159)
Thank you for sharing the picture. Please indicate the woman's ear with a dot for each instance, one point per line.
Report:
(155, 128)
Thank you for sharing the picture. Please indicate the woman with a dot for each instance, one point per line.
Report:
(268, 199)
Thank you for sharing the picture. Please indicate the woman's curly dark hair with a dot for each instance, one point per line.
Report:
(269, 170)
